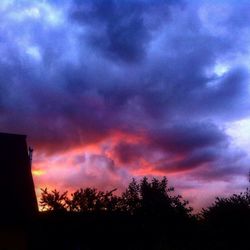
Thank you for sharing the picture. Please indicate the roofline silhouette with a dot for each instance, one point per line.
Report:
(12, 135)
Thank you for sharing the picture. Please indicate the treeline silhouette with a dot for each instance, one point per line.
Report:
(147, 215)
(145, 198)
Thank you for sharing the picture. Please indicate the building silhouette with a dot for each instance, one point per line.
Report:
(17, 199)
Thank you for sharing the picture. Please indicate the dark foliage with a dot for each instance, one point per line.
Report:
(91, 200)
(226, 223)
(147, 215)
(130, 201)
(53, 200)
(147, 198)
(229, 211)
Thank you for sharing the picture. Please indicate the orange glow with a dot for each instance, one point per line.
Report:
(126, 137)
(96, 165)
(38, 172)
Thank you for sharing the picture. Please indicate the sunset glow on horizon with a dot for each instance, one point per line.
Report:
(108, 90)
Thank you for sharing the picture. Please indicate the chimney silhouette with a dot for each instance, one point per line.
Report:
(17, 193)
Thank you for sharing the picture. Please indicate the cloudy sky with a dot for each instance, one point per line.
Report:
(107, 90)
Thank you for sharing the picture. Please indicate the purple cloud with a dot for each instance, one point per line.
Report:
(153, 85)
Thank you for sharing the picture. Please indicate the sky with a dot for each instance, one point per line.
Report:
(107, 90)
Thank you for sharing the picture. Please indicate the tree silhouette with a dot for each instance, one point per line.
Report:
(53, 201)
(227, 222)
(130, 200)
(157, 199)
(234, 210)
(83, 200)
(108, 201)
(153, 198)
(145, 198)
(149, 213)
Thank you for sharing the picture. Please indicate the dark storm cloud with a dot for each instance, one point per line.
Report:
(183, 147)
(121, 30)
(74, 73)
(186, 137)
(228, 165)
(191, 161)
